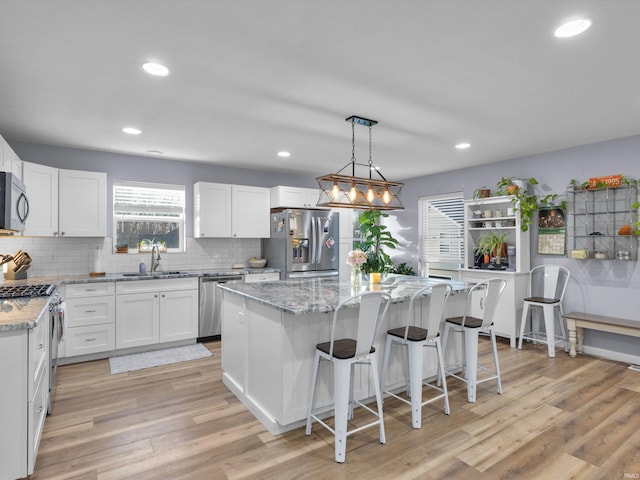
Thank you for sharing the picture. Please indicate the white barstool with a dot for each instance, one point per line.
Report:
(415, 338)
(545, 291)
(488, 293)
(343, 354)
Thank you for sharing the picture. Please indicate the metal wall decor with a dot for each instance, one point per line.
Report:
(365, 193)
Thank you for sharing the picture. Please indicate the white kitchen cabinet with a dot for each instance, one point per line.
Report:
(347, 219)
(42, 190)
(156, 311)
(69, 203)
(82, 207)
(23, 404)
(211, 210)
(237, 211)
(89, 319)
(234, 331)
(294, 197)
(9, 161)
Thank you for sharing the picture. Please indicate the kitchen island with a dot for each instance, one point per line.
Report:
(269, 334)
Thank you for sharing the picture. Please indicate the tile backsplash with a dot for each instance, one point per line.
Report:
(76, 256)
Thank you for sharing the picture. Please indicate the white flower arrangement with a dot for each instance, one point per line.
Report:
(357, 258)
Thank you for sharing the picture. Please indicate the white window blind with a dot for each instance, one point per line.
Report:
(149, 212)
(441, 231)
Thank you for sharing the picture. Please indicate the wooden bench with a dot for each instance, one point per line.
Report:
(578, 321)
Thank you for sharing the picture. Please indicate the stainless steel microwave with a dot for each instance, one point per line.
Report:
(14, 205)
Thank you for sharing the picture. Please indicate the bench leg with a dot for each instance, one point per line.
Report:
(571, 326)
(580, 332)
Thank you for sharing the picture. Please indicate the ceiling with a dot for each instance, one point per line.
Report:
(251, 78)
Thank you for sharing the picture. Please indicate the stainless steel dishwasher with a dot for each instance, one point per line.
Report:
(209, 313)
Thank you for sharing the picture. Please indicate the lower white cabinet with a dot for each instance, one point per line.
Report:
(156, 311)
(509, 309)
(90, 317)
(24, 380)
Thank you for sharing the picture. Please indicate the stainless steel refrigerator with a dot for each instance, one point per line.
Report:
(304, 243)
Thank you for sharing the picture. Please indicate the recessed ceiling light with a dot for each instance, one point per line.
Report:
(156, 69)
(132, 130)
(154, 152)
(572, 28)
(463, 145)
(284, 154)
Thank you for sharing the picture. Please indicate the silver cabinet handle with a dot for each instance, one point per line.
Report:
(90, 339)
(89, 311)
(40, 346)
(40, 409)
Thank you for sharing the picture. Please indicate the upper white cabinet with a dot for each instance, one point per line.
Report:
(42, 190)
(69, 203)
(83, 203)
(9, 161)
(222, 210)
(294, 197)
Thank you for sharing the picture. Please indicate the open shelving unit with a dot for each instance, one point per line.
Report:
(595, 217)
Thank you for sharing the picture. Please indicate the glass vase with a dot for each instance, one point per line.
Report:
(356, 277)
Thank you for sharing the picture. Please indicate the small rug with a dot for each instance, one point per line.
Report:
(138, 361)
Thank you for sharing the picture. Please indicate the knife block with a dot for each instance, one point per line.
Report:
(11, 275)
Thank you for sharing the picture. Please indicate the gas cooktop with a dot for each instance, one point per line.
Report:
(29, 291)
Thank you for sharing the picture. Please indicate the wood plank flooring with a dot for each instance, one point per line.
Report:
(557, 418)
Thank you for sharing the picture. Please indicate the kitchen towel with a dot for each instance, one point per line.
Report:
(138, 361)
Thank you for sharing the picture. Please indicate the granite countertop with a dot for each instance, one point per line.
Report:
(22, 313)
(320, 295)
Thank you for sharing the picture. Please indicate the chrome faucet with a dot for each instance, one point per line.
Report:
(155, 258)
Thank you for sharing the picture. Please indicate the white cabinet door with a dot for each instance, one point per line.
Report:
(234, 330)
(137, 316)
(178, 315)
(250, 207)
(211, 210)
(42, 190)
(294, 197)
(82, 204)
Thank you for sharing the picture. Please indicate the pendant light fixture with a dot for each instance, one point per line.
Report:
(365, 193)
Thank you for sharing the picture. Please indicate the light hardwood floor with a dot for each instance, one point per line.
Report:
(557, 418)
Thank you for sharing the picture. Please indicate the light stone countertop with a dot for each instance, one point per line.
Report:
(22, 313)
(321, 295)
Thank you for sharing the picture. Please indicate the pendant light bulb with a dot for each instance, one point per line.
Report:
(371, 194)
(353, 193)
(335, 191)
(386, 196)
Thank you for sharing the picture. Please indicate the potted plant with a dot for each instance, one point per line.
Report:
(492, 245)
(374, 236)
(482, 192)
(484, 246)
(523, 200)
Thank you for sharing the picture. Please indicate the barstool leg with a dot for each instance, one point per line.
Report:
(523, 322)
(341, 389)
(415, 382)
(495, 360)
(442, 376)
(312, 400)
(471, 354)
(385, 364)
(376, 386)
(549, 326)
(445, 337)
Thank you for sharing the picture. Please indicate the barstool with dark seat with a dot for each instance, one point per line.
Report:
(547, 284)
(471, 326)
(344, 354)
(415, 338)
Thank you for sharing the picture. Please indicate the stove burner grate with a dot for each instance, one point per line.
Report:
(29, 291)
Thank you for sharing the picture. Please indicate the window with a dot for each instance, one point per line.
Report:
(149, 212)
(441, 233)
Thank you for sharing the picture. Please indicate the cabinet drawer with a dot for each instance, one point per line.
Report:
(38, 351)
(37, 412)
(262, 277)
(90, 339)
(79, 290)
(90, 311)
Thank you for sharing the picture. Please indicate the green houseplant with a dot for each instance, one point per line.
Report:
(491, 244)
(373, 237)
(523, 200)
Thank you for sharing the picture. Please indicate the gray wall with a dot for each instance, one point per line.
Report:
(155, 170)
(603, 287)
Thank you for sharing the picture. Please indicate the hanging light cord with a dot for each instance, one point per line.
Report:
(370, 162)
(353, 149)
